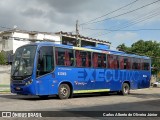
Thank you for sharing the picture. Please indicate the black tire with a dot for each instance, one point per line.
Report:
(43, 96)
(154, 85)
(64, 91)
(125, 89)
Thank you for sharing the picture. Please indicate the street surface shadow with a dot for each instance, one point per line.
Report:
(134, 107)
(145, 96)
(54, 97)
(27, 97)
(33, 98)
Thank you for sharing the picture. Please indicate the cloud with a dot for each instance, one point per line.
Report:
(61, 15)
(127, 37)
(32, 12)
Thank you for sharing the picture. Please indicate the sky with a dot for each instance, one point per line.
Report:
(61, 15)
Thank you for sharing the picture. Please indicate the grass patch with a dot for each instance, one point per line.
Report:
(4, 85)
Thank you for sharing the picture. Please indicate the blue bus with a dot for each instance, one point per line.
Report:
(46, 68)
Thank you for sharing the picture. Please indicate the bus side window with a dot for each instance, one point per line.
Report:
(64, 57)
(87, 59)
(110, 61)
(60, 56)
(45, 60)
(99, 60)
(83, 59)
(95, 60)
(134, 64)
(116, 61)
(113, 61)
(122, 62)
(146, 65)
(142, 64)
(128, 63)
(103, 60)
(78, 59)
(139, 64)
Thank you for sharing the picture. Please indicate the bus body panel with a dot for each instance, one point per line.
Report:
(82, 79)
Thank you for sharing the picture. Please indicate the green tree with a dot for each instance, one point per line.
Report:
(146, 48)
(2, 58)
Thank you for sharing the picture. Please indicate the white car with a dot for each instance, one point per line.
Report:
(156, 84)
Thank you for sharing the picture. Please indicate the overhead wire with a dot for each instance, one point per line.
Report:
(109, 13)
(134, 21)
(149, 29)
(124, 13)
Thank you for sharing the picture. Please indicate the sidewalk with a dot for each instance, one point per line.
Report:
(5, 79)
(4, 89)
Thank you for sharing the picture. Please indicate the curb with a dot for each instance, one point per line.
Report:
(5, 92)
(4, 89)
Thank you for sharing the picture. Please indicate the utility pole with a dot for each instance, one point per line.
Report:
(77, 34)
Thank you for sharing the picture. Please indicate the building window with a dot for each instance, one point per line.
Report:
(69, 41)
(85, 43)
(3, 44)
(6, 43)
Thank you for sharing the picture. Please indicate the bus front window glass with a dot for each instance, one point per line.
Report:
(45, 60)
(23, 61)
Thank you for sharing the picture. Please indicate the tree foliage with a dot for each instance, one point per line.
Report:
(2, 58)
(147, 48)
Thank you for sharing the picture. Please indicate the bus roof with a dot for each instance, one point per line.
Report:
(91, 49)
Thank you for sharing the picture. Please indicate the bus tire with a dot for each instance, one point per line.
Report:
(125, 89)
(64, 91)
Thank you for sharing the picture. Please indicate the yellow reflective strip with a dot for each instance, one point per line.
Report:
(90, 91)
(85, 49)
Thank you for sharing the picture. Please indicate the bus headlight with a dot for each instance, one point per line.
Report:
(29, 82)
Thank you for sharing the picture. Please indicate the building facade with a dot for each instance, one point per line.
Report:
(10, 40)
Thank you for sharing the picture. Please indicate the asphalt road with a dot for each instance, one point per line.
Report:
(138, 100)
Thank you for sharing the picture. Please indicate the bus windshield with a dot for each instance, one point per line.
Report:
(23, 61)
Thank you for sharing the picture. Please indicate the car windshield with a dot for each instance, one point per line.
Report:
(23, 61)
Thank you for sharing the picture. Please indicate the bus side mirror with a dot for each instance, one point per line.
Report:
(39, 57)
(38, 70)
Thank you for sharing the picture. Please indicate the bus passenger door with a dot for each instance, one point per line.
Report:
(45, 67)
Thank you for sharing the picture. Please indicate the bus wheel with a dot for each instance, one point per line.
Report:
(64, 91)
(125, 89)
